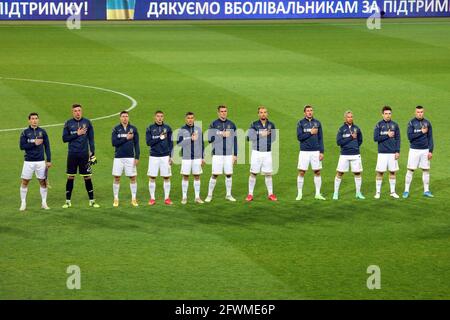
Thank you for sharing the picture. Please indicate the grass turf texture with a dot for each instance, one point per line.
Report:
(261, 250)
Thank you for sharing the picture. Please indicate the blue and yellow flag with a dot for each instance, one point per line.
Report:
(120, 9)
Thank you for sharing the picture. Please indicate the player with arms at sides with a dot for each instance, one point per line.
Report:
(78, 132)
(34, 141)
(190, 139)
(387, 135)
(262, 134)
(125, 140)
(420, 136)
(223, 136)
(349, 138)
(159, 139)
(310, 136)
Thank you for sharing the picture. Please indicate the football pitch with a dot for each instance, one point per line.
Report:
(261, 250)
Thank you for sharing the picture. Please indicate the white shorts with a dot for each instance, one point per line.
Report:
(36, 167)
(159, 164)
(124, 164)
(350, 161)
(222, 165)
(189, 167)
(386, 162)
(418, 159)
(305, 158)
(261, 161)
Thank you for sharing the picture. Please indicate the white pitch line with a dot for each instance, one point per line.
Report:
(133, 101)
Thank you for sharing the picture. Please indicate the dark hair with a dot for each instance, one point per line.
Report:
(386, 108)
(159, 111)
(307, 107)
(123, 112)
(221, 107)
(419, 107)
(189, 114)
(76, 105)
(32, 114)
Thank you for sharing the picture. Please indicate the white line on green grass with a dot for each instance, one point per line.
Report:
(132, 106)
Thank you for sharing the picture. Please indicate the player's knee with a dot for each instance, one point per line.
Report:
(185, 178)
(214, 176)
(43, 183)
(339, 174)
(132, 179)
(301, 173)
(228, 175)
(71, 177)
(357, 174)
(87, 178)
(196, 178)
(317, 172)
(25, 182)
(117, 179)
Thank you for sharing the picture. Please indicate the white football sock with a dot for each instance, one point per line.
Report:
(212, 185)
(318, 183)
(269, 184)
(197, 188)
(151, 189)
(358, 183)
(392, 184)
(251, 184)
(133, 188)
(300, 180)
(408, 179)
(166, 189)
(378, 183)
(43, 194)
(228, 184)
(426, 181)
(337, 184)
(116, 187)
(23, 194)
(184, 187)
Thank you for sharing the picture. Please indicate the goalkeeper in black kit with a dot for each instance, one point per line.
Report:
(78, 132)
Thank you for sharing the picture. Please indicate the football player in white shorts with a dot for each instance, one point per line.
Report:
(190, 138)
(34, 141)
(262, 134)
(349, 138)
(159, 139)
(222, 135)
(310, 136)
(125, 140)
(420, 136)
(387, 135)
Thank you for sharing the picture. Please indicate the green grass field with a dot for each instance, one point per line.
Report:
(221, 250)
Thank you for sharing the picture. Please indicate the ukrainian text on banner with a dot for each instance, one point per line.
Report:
(286, 9)
(218, 9)
(52, 9)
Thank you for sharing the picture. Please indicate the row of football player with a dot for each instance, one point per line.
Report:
(79, 134)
